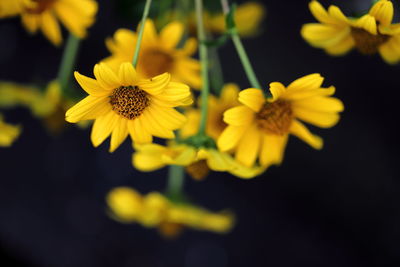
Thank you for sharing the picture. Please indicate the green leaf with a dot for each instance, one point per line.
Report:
(220, 41)
(230, 18)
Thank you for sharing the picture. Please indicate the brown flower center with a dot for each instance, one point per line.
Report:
(198, 170)
(275, 118)
(41, 6)
(366, 42)
(129, 101)
(156, 62)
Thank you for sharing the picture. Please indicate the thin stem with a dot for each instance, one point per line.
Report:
(248, 68)
(68, 61)
(176, 176)
(216, 75)
(201, 36)
(140, 33)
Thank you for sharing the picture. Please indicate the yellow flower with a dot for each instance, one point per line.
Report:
(123, 104)
(8, 133)
(155, 210)
(158, 53)
(76, 15)
(248, 17)
(260, 126)
(216, 109)
(369, 34)
(198, 161)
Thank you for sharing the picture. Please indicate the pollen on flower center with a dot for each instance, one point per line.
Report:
(156, 62)
(40, 6)
(275, 118)
(129, 101)
(366, 42)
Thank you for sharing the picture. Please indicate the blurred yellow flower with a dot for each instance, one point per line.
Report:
(369, 34)
(155, 210)
(76, 15)
(260, 126)
(123, 104)
(198, 161)
(158, 53)
(216, 109)
(8, 133)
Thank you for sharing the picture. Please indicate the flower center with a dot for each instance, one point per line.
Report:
(275, 118)
(40, 6)
(366, 42)
(198, 170)
(156, 62)
(129, 101)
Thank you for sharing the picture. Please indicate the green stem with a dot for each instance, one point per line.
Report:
(201, 36)
(176, 176)
(217, 77)
(248, 68)
(140, 33)
(68, 61)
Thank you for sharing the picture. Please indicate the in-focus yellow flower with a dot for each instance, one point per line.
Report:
(260, 126)
(76, 15)
(158, 53)
(216, 109)
(8, 133)
(197, 161)
(123, 104)
(369, 34)
(155, 210)
(248, 17)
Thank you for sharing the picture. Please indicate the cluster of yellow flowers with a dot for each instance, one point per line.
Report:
(143, 90)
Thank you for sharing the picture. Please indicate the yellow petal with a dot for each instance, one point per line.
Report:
(51, 28)
(105, 76)
(156, 85)
(91, 86)
(295, 95)
(253, 98)
(383, 12)
(321, 14)
(308, 82)
(273, 149)
(151, 122)
(147, 162)
(249, 146)
(218, 161)
(31, 22)
(190, 47)
(338, 15)
(320, 103)
(368, 23)
(298, 129)
(127, 74)
(230, 137)
(174, 93)
(230, 93)
(138, 132)
(169, 118)
(276, 89)
(119, 133)
(322, 35)
(84, 107)
(102, 128)
(239, 116)
(320, 119)
(342, 47)
(171, 34)
(390, 51)
(149, 34)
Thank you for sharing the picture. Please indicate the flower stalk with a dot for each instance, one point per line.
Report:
(176, 176)
(68, 61)
(140, 33)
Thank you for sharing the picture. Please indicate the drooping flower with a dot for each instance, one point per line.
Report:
(76, 15)
(216, 109)
(370, 34)
(123, 104)
(8, 132)
(158, 53)
(197, 161)
(259, 128)
(155, 210)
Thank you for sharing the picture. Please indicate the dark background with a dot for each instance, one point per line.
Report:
(335, 207)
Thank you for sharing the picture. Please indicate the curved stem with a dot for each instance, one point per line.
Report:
(68, 61)
(140, 33)
(201, 36)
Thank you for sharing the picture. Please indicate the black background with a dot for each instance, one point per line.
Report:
(335, 207)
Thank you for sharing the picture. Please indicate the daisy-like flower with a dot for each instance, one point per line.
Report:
(8, 133)
(76, 15)
(197, 161)
(369, 34)
(158, 53)
(155, 210)
(216, 108)
(260, 126)
(123, 104)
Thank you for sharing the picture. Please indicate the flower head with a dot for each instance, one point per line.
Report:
(76, 15)
(155, 210)
(372, 33)
(8, 133)
(158, 53)
(260, 126)
(123, 104)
